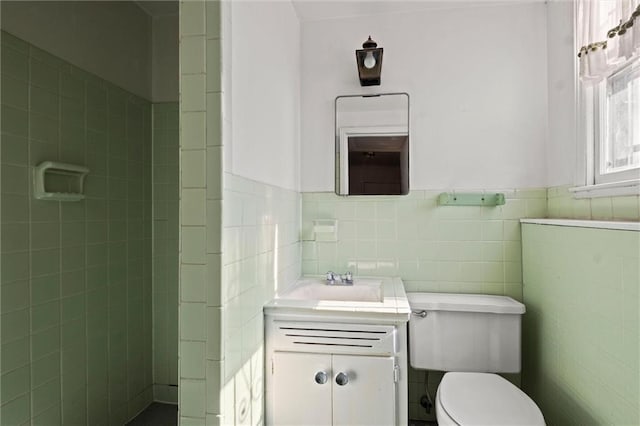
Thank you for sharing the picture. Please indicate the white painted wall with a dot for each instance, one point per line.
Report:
(265, 74)
(165, 58)
(478, 87)
(561, 146)
(109, 39)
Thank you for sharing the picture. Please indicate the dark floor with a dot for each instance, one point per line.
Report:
(157, 414)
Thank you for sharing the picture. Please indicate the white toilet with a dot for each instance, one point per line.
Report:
(471, 336)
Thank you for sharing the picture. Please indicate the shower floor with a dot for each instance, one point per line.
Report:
(157, 414)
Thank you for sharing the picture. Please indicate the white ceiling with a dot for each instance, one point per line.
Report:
(316, 10)
(156, 8)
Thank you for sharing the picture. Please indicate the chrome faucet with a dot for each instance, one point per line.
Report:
(335, 279)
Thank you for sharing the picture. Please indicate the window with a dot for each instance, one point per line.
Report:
(617, 152)
(610, 94)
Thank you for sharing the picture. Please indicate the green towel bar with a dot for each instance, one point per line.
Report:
(470, 199)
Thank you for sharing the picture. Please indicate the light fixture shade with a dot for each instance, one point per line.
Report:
(369, 73)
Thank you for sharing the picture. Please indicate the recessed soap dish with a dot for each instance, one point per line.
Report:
(325, 229)
(59, 181)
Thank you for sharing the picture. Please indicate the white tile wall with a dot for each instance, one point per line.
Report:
(261, 250)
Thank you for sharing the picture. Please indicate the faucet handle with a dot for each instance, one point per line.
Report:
(331, 276)
(347, 277)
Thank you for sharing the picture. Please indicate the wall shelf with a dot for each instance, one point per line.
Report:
(470, 199)
(59, 181)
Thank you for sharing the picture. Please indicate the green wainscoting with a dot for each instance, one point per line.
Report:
(562, 204)
(456, 249)
(260, 253)
(580, 333)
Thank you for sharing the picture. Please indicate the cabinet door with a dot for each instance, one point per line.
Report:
(368, 397)
(298, 398)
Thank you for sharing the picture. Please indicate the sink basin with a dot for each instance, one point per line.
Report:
(362, 290)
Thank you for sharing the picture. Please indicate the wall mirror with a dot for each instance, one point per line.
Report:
(372, 144)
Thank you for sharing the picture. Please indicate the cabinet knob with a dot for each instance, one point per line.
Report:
(321, 377)
(342, 379)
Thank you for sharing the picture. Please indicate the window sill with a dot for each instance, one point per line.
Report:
(613, 189)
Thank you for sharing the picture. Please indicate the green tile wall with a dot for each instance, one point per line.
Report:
(200, 362)
(581, 332)
(76, 276)
(561, 204)
(165, 251)
(432, 248)
(260, 252)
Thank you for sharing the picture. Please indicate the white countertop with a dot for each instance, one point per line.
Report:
(394, 307)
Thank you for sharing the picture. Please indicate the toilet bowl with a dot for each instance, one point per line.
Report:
(483, 399)
(471, 337)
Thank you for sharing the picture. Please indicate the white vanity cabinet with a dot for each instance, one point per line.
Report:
(324, 389)
(337, 363)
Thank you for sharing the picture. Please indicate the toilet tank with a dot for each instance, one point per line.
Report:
(464, 332)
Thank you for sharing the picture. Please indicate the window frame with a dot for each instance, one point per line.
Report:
(601, 120)
(591, 118)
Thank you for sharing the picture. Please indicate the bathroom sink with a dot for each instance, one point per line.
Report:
(362, 290)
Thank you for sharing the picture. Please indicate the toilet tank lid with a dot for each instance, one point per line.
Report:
(464, 303)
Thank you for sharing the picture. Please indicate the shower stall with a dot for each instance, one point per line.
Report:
(89, 263)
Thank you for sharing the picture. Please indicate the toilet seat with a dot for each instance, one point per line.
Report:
(485, 399)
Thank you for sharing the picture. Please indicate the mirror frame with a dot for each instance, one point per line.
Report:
(338, 134)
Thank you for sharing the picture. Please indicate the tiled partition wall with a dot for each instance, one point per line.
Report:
(261, 251)
(201, 366)
(581, 331)
(561, 204)
(432, 248)
(165, 251)
(76, 276)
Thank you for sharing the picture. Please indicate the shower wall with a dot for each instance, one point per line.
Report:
(76, 278)
(111, 39)
(165, 251)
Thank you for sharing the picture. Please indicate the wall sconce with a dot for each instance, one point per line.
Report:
(369, 60)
